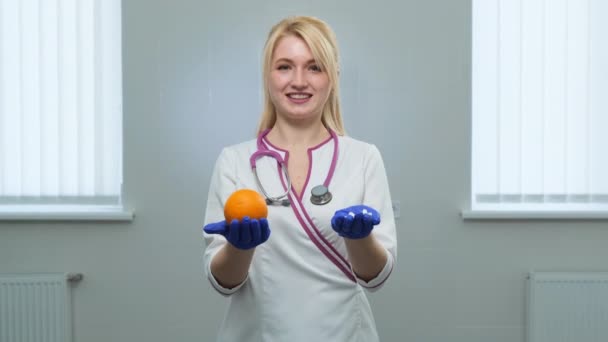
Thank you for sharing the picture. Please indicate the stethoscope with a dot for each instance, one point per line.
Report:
(319, 195)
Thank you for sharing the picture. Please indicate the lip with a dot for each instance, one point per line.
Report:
(298, 101)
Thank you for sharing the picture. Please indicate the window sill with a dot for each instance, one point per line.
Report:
(471, 214)
(66, 213)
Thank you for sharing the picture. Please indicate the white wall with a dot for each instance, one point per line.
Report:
(192, 86)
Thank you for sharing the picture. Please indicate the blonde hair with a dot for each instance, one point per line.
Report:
(323, 44)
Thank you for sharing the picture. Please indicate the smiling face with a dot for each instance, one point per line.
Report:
(297, 85)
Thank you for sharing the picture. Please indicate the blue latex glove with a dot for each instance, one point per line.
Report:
(355, 222)
(245, 234)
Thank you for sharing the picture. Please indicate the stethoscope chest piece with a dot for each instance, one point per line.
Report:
(320, 195)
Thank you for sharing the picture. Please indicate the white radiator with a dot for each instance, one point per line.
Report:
(567, 307)
(36, 307)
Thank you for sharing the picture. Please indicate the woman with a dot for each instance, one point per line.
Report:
(306, 280)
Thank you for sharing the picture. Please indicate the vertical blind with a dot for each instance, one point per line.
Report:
(540, 105)
(60, 101)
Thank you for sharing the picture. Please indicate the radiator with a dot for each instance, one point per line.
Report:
(36, 307)
(567, 307)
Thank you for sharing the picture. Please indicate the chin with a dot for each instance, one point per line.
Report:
(299, 114)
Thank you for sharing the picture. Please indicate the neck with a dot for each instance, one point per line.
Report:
(290, 136)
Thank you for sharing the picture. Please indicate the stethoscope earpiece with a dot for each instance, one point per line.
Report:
(284, 202)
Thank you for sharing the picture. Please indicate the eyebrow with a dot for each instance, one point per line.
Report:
(290, 61)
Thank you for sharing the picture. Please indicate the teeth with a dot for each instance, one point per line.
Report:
(299, 96)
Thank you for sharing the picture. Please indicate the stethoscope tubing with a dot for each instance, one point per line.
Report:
(275, 155)
(283, 199)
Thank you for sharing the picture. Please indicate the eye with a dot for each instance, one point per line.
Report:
(315, 68)
(283, 67)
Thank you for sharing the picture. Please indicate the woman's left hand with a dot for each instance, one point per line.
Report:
(355, 222)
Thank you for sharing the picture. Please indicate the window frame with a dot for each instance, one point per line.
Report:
(80, 207)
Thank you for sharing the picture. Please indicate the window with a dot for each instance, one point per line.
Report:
(540, 108)
(60, 109)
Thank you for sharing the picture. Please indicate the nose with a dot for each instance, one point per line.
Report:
(299, 79)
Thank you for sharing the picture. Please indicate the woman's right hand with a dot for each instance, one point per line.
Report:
(246, 234)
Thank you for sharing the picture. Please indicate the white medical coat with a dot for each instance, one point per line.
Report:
(300, 286)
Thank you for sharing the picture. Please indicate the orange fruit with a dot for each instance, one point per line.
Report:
(245, 202)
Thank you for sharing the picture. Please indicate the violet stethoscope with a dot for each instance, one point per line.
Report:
(320, 194)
